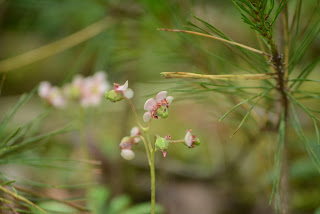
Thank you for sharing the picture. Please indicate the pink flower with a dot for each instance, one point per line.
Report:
(124, 90)
(51, 94)
(92, 89)
(157, 108)
(135, 131)
(191, 140)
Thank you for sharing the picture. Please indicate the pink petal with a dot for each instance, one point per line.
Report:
(146, 116)
(164, 153)
(135, 131)
(128, 93)
(161, 95)
(123, 87)
(188, 138)
(169, 99)
(148, 106)
(44, 89)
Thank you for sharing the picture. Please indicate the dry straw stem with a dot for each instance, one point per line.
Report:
(219, 77)
(219, 39)
(55, 47)
(21, 198)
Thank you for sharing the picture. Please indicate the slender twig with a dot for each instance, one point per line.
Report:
(219, 77)
(55, 47)
(21, 198)
(219, 39)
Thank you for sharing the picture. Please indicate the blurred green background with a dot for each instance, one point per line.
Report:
(223, 175)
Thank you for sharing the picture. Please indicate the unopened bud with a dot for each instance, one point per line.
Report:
(114, 96)
(127, 154)
(162, 143)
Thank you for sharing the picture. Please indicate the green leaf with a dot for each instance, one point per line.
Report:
(248, 113)
(23, 99)
(278, 155)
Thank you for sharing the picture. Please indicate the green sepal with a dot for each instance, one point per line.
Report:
(114, 96)
(162, 143)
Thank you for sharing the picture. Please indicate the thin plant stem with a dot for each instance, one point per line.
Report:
(176, 141)
(135, 114)
(21, 198)
(219, 39)
(219, 77)
(147, 149)
(152, 171)
(153, 183)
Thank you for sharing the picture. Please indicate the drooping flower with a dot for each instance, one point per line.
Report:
(135, 133)
(52, 95)
(157, 108)
(127, 154)
(119, 92)
(127, 143)
(191, 140)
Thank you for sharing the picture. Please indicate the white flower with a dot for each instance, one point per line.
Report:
(191, 140)
(124, 90)
(157, 107)
(127, 154)
(51, 94)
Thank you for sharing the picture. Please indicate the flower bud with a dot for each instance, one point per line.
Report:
(162, 144)
(191, 140)
(126, 143)
(114, 96)
(127, 154)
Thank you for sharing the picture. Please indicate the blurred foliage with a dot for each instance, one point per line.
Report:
(237, 175)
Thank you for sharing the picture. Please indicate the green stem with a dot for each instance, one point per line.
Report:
(135, 114)
(153, 183)
(152, 170)
(147, 149)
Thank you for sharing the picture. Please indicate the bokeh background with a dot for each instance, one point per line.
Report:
(222, 175)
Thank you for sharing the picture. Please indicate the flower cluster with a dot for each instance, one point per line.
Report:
(155, 108)
(127, 143)
(87, 91)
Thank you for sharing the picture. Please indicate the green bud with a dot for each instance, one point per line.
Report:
(197, 142)
(114, 96)
(162, 143)
(162, 112)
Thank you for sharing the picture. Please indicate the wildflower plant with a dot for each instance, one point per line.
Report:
(279, 78)
(155, 109)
